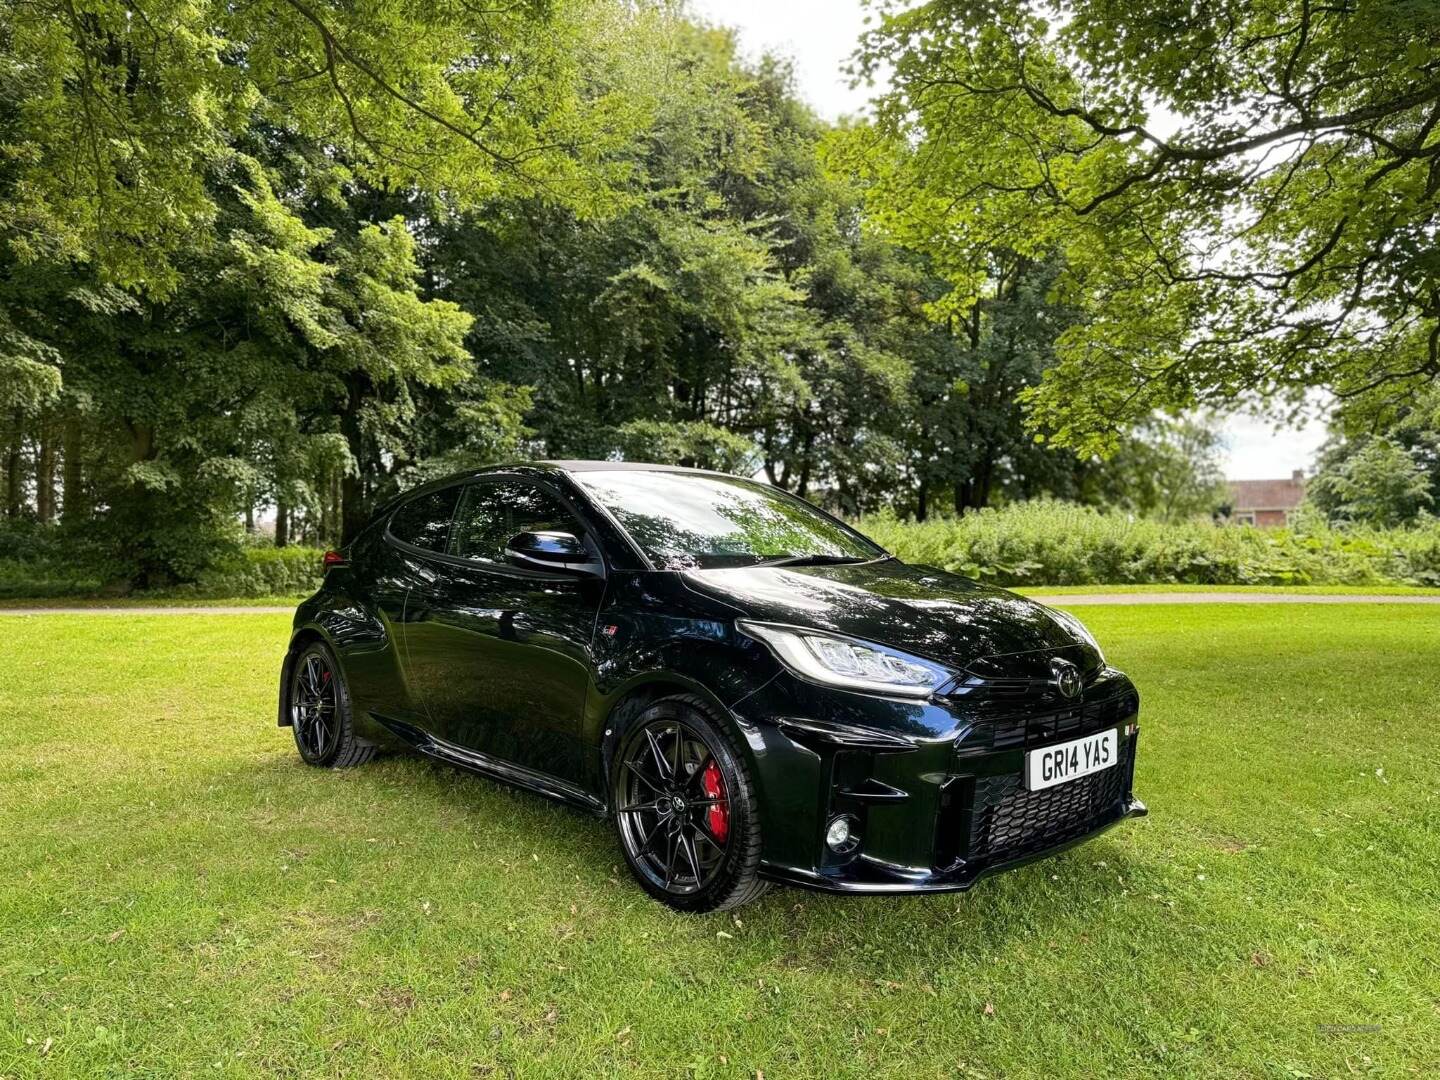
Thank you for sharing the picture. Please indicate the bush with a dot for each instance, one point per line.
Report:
(1036, 543)
(1053, 543)
(261, 571)
(47, 562)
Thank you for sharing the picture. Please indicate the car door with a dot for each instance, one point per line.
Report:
(499, 653)
(385, 569)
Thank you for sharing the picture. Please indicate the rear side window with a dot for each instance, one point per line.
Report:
(491, 513)
(425, 521)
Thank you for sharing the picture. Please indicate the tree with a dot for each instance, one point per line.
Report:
(189, 233)
(1381, 467)
(731, 315)
(1245, 196)
(1377, 482)
(275, 337)
(1168, 469)
(968, 435)
(123, 105)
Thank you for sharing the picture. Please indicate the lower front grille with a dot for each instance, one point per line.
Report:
(1009, 822)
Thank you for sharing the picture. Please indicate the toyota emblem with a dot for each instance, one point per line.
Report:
(1066, 677)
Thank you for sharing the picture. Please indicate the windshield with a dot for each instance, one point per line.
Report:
(687, 520)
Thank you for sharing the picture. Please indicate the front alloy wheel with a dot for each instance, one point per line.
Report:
(685, 809)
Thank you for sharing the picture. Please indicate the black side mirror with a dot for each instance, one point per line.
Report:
(552, 550)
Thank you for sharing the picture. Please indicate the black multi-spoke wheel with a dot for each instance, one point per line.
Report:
(312, 707)
(685, 808)
(319, 710)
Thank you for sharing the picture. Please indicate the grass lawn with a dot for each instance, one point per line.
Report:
(180, 896)
(1293, 590)
(148, 601)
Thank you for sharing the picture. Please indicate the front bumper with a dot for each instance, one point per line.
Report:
(933, 789)
(867, 878)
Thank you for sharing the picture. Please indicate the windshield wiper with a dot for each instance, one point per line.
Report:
(811, 560)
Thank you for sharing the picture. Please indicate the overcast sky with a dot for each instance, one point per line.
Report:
(819, 35)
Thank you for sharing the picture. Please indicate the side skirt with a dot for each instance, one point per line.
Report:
(495, 768)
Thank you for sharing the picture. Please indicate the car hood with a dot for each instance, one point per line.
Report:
(940, 616)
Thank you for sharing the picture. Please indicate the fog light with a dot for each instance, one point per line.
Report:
(838, 834)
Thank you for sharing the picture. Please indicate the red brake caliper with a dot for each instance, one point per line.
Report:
(717, 817)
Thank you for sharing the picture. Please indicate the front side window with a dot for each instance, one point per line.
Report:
(425, 521)
(492, 512)
(685, 520)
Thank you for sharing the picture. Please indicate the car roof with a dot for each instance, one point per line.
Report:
(542, 468)
(625, 466)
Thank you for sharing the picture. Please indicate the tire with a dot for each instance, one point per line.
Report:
(321, 717)
(685, 808)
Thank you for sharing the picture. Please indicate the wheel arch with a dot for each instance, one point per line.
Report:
(637, 693)
(299, 639)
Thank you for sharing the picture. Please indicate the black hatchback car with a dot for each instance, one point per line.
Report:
(750, 689)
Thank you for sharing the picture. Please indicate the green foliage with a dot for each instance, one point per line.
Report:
(1381, 467)
(479, 422)
(208, 225)
(124, 110)
(259, 571)
(43, 563)
(1377, 482)
(292, 260)
(731, 312)
(1050, 543)
(694, 443)
(1243, 196)
(1169, 470)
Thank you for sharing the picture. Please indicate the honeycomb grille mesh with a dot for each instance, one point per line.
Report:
(1009, 821)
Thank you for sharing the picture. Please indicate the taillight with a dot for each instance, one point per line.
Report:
(331, 559)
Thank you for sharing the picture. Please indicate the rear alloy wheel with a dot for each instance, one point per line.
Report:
(320, 715)
(685, 809)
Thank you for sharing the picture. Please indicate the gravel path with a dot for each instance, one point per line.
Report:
(1054, 599)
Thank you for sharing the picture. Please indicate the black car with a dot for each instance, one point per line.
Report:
(749, 688)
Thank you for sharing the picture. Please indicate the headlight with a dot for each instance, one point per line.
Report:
(845, 662)
(1075, 626)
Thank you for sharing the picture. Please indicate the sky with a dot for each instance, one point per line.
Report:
(819, 35)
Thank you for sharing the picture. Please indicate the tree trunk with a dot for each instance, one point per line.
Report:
(353, 504)
(72, 479)
(973, 493)
(282, 523)
(145, 508)
(922, 502)
(14, 476)
(45, 474)
(249, 516)
(336, 510)
(324, 528)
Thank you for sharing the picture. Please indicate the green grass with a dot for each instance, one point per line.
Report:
(180, 896)
(1293, 590)
(80, 603)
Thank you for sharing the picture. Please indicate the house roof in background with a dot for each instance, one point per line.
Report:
(1284, 494)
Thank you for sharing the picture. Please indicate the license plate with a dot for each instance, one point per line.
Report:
(1071, 760)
